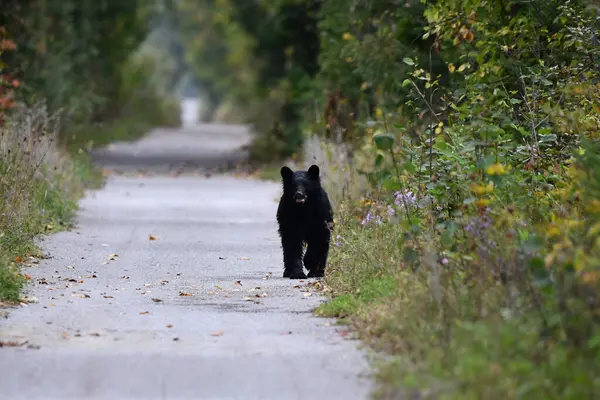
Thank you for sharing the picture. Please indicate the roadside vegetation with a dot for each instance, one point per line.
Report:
(460, 144)
(73, 75)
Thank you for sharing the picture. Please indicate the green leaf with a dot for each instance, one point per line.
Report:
(444, 148)
(409, 167)
(400, 241)
(391, 185)
(408, 61)
(379, 160)
(410, 254)
(384, 141)
(406, 82)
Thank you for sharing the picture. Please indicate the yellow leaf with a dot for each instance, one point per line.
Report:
(594, 230)
(482, 203)
(462, 67)
(589, 278)
(451, 68)
(496, 169)
(593, 206)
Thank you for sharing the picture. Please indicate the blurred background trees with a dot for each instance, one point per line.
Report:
(95, 61)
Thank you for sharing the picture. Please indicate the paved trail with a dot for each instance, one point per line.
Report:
(202, 312)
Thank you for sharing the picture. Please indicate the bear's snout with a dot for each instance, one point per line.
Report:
(299, 197)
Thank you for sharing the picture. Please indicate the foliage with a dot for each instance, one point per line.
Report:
(482, 158)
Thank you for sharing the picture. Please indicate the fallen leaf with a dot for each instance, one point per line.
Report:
(29, 299)
(81, 295)
(95, 334)
(296, 286)
(176, 339)
(182, 293)
(152, 237)
(113, 257)
(108, 297)
(70, 267)
(18, 259)
(169, 326)
(218, 287)
(217, 333)
(51, 304)
(154, 299)
(12, 343)
(222, 258)
(244, 258)
(27, 277)
(286, 333)
(65, 335)
(211, 292)
(307, 294)
(144, 312)
(238, 283)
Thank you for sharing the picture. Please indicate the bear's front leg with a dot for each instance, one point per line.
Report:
(292, 256)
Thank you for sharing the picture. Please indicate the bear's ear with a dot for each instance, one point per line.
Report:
(313, 172)
(286, 173)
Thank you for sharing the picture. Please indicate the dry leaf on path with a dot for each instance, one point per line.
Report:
(144, 312)
(238, 283)
(169, 326)
(13, 343)
(152, 237)
(182, 293)
(217, 333)
(154, 299)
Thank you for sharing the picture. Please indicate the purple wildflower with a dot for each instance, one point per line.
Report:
(391, 211)
(405, 198)
(337, 243)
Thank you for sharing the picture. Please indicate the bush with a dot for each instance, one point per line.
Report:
(472, 257)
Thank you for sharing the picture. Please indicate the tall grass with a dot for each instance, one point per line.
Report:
(38, 187)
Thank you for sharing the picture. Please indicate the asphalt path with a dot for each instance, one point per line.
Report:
(170, 287)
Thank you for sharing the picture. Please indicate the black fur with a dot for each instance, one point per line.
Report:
(304, 216)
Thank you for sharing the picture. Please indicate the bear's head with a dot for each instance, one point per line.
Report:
(301, 186)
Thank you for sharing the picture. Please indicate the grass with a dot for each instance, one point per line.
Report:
(39, 186)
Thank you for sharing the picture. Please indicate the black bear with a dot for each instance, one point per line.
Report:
(304, 216)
